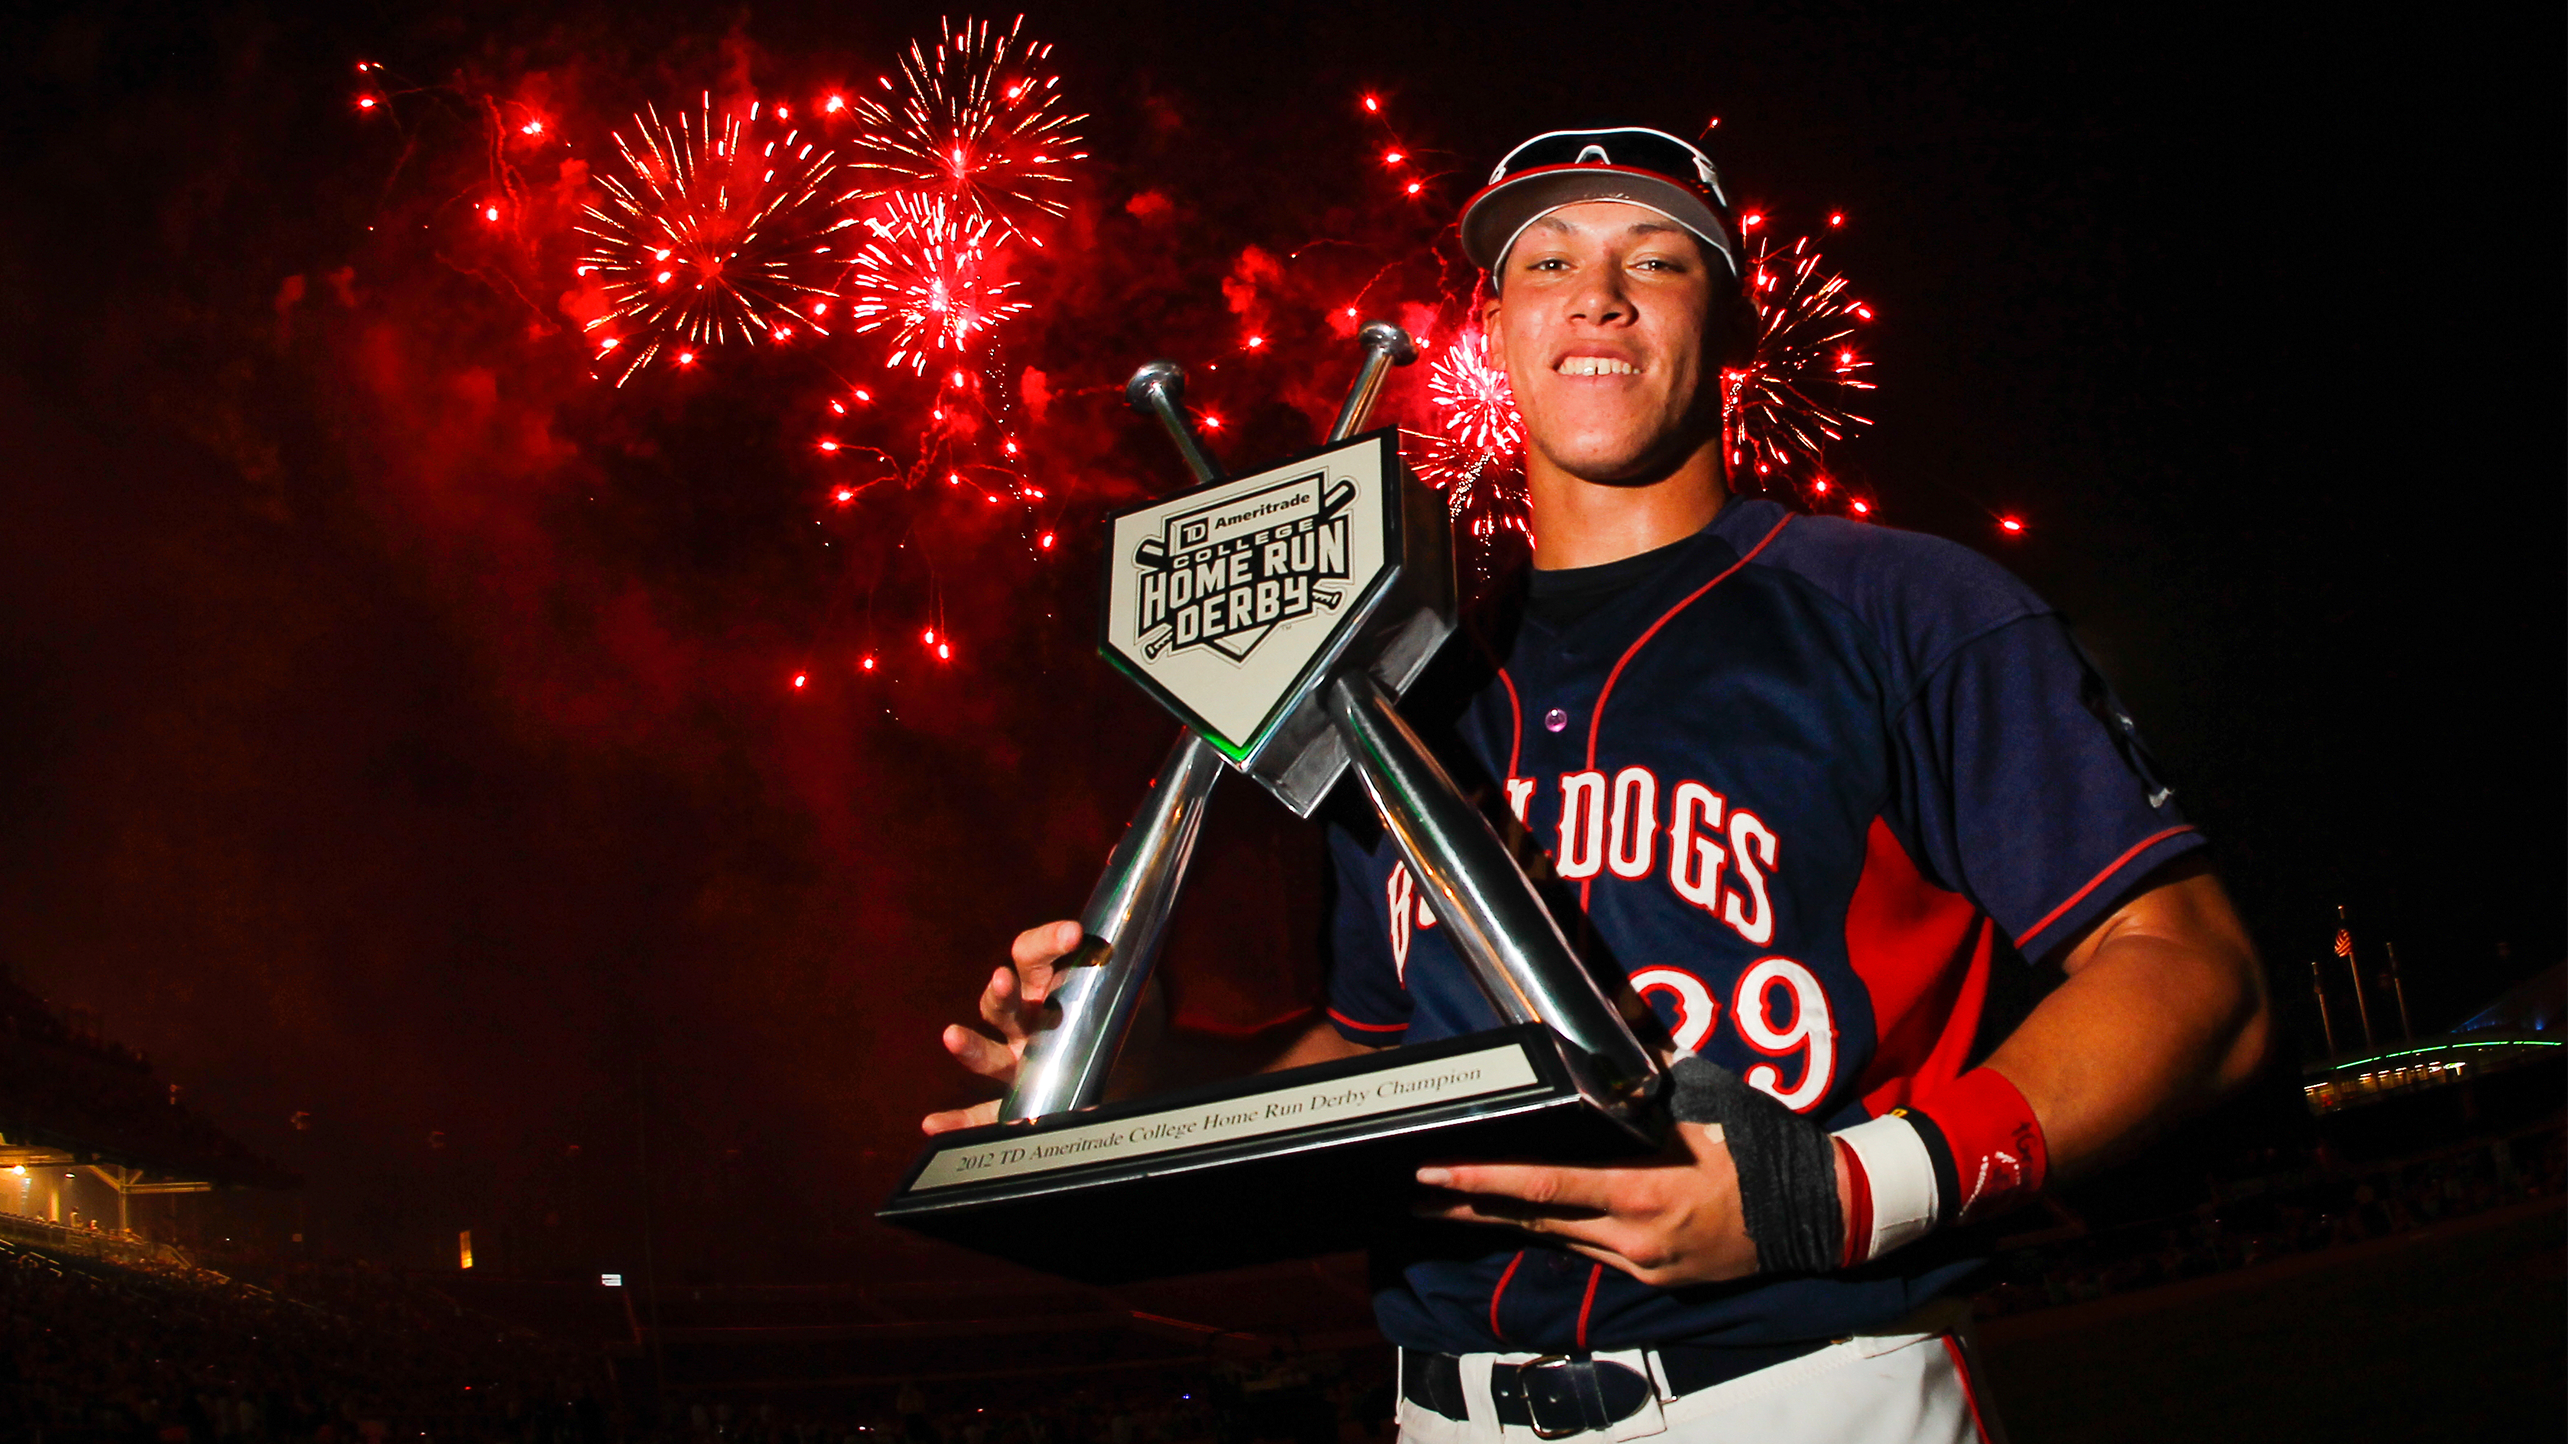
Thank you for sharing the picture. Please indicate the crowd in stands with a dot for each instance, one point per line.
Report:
(2283, 1206)
(24, 1017)
(167, 1353)
(71, 1087)
(171, 1353)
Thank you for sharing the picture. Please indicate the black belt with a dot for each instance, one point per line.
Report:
(1564, 1394)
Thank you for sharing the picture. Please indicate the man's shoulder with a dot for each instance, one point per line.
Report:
(1921, 597)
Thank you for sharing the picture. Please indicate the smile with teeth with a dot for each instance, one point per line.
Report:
(1595, 366)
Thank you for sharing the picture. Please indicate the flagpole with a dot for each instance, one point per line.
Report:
(2345, 950)
(2398, 986)
(2318, 987)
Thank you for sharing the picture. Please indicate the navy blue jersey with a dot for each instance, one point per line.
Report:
(1815, 787)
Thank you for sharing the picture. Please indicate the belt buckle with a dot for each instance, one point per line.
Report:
(1533, 1407)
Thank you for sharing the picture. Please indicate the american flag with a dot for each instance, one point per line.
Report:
(2344, 944)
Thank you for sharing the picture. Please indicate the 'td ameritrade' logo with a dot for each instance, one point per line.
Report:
(1223, 576)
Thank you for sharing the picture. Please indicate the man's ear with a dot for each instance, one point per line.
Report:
(1489, 329)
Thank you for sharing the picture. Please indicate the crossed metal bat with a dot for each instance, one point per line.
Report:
(1101, 981)
(1494, 916)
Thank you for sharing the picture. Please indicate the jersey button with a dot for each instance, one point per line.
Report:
(1554, 720)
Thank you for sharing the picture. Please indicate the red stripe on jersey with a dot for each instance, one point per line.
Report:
(1596, 719)
(1501, 1292)
(1970, 1395)
(1346, 1021)
(1516, 708)
(1924, 955)
(2119, 863)
(1587, 1305)
(1858, 1208)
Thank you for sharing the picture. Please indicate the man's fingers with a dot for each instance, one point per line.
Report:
(972, 1117)
(1000, 1005)
(1599, 1189)
(1036, 948)
(982, 1055)
(1611, 1259)
(1013, 1002)
(1593, 1235)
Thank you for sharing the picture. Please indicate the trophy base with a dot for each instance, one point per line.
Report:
(1281, 1165)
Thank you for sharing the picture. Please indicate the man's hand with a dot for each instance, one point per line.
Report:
(1013, 1005)
(1667, 1221)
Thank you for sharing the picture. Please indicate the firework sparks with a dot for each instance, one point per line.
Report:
(1476, 456)
(1781, 407)
(980, 124)
(924, 276)
(721, 231)
(1474, 404)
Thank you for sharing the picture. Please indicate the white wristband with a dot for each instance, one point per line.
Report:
(1900, 1176)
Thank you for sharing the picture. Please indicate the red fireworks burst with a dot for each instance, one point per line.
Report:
(1474, 404)
(1788, 404)
(924, 276)
(1476, 456)
(977, 121)
(720, 231)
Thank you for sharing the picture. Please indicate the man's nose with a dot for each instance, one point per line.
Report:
(1599, 299)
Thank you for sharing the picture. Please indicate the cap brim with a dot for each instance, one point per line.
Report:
(1493, 219)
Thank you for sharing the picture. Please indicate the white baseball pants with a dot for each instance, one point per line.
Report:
(1885, 1389)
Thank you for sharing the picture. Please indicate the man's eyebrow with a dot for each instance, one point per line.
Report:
(1636, 228)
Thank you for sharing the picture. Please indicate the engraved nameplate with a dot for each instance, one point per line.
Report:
(1257, 1115)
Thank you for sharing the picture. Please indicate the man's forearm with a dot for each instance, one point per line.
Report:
(2164, 1009)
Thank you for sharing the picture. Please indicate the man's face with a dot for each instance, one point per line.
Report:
(1600, 324)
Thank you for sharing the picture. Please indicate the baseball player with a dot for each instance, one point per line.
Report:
(1824, 793)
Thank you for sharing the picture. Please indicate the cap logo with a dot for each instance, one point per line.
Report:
(1595, 153)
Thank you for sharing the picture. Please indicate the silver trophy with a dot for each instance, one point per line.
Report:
(1279, 615)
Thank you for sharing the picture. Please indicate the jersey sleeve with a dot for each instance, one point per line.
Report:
(2033, 788)
(1366, 999)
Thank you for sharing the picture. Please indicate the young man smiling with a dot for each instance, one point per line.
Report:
(1821, 792)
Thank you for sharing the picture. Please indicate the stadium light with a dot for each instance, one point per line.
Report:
(612, 1281)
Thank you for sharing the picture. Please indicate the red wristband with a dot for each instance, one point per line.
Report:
(1995, 1142)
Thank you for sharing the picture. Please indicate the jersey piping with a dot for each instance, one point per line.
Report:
(2115, 866)
(1596, 718)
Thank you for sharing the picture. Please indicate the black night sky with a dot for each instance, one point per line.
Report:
(393, 727)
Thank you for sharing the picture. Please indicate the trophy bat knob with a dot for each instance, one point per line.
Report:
(1388, 339)
(1161, 378)
(1385, 346)
(1159, 390)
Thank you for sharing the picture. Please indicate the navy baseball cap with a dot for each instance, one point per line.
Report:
(1632, 164)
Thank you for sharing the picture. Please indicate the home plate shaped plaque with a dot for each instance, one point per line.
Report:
(1223, 599)
(1234, 603)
